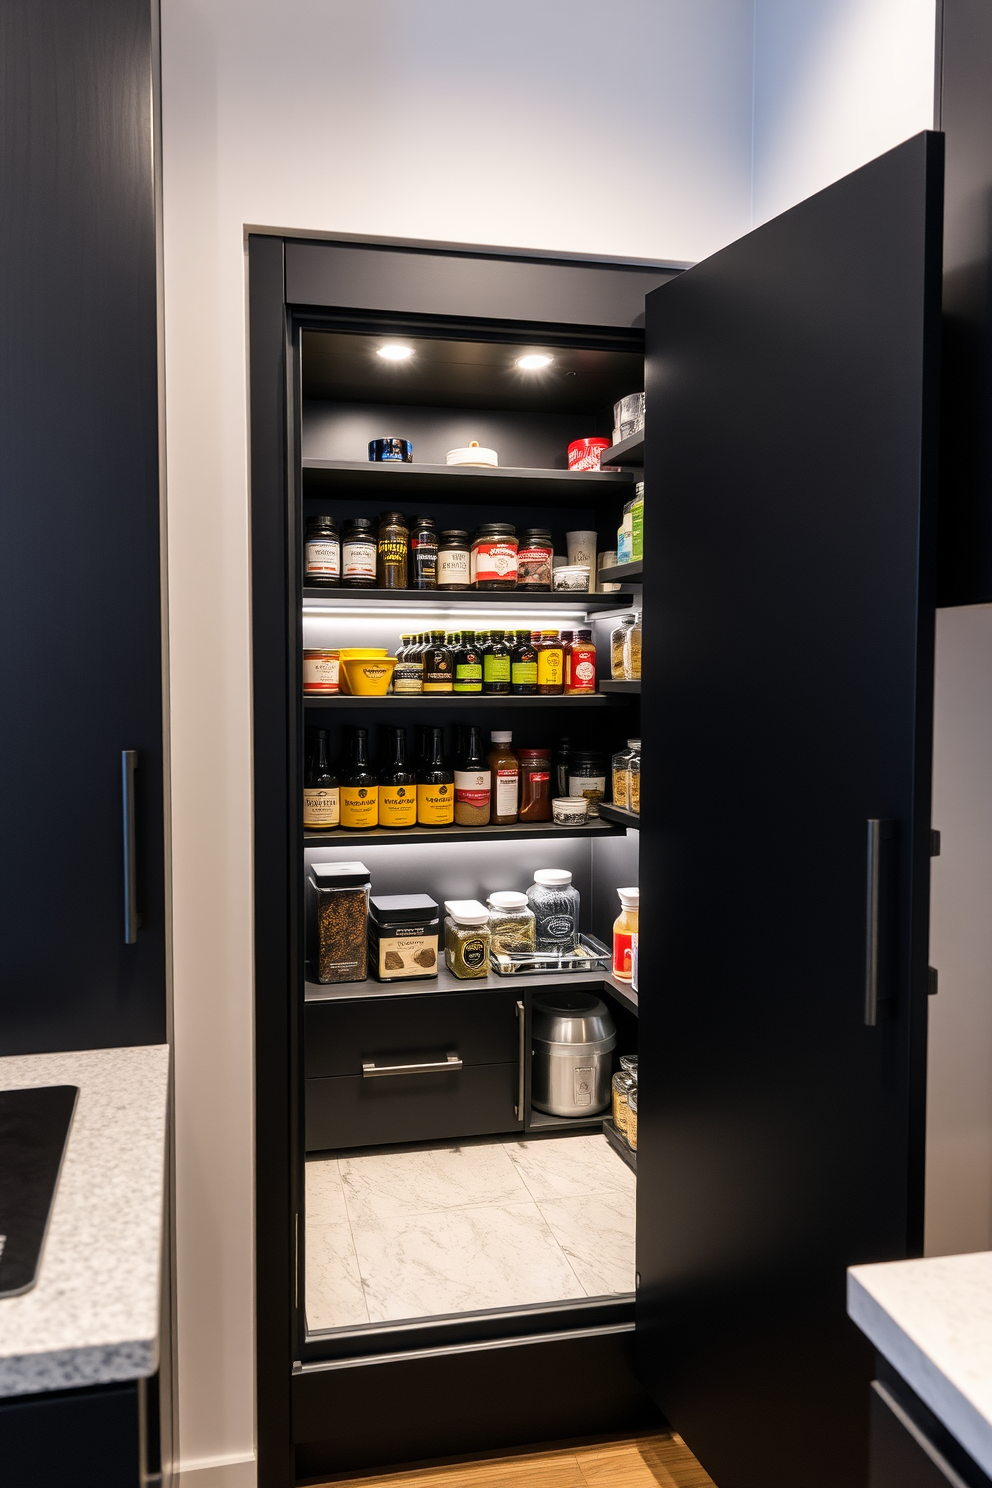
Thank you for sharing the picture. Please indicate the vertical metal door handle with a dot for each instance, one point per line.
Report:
(874, 882)
(521, 1055)
(129, 763)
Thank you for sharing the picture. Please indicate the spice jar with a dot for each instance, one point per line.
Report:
(423, 554)
(494, 557)
(535, 785)
(534, 559)
(511, 922)
(337, 911)
(580, 664)
(358, 554)
(621, 777)
(617, 636)
(320, 671)
(634, 777)
(392, 551)
(466, 938)
(632, 651)
(555, 903)
(587, 777)
(322, 552)
(622, 1085)
(628, 1063)
(454, 560)
(403, 934)
(631, 1132)
(550, 663)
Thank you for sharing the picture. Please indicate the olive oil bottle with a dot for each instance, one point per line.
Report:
(435, 784)
(321, 792)
(397, 784)
(359, 787)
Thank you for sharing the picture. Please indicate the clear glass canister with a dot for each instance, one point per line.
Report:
(634, 779)
(555, 903)
(628, 1063)
(632, 652)
(621, 778)
(511, 922)
(467, 940)
(623, 1084)
(631, 1132)
(617, 637)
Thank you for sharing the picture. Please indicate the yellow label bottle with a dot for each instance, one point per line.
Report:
(397, 805)
(435, 805)
(321, 808)
(359, 806)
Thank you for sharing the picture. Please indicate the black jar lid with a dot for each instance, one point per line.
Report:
(322, 523)
(339, 875)
(392, 519)
(587, 756)
(402, 909)
(421, 521)
(454, 534)
(363, 524)
(534, 532)
(497, 529)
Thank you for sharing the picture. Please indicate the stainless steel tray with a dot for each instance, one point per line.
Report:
(589, 954)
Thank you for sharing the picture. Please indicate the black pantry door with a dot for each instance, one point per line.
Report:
(80, 633)
(788, 631)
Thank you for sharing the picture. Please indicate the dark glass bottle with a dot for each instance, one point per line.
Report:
(550, 664)
(438, 669)
(393, 551)
(473, 783)
(397, 784)
(423, 554)
(523, 665)
(321, 791)
(435, 785)
(468, 664)
(563, 756)
(358, 554)
(322, 552)
(359, 786)
(496, 664)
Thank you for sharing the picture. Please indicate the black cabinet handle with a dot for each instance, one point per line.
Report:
(129, 763)
(879, 832)
(431, 1067)
(521, 1056)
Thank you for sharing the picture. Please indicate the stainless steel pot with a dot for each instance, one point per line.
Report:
(573, 1036)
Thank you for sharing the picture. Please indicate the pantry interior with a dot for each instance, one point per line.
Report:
(445, 1191)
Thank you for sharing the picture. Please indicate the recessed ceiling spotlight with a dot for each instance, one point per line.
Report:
(394, 353)
(533, 360)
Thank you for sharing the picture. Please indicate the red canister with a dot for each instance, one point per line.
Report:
(585, 454)
(580, 664)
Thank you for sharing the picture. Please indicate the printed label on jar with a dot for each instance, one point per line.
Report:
(558, 928)
(549, 668)
(538, 775)
(593, 787)
(534, 568)
(473, 952)
(453, 567)
(397, 805)
(496, 668)
(473, 787)
(623, 956)
(435, 805)
(583, 678)
(414, 955)
(494, 560)
(323, 558)
(507, 782)
(408, 676)
(321, 808)
(468, 676)
(358, 560)
(320, 673)
(524, 673)
(359, 805)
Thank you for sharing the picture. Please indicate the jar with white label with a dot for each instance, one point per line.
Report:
(494, 556)
(587, 777)
(454, 560)
(320, 671)
(554, 900)
(359, 550)
(322, 553)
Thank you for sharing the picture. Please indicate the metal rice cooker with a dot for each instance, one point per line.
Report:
(573, 1037)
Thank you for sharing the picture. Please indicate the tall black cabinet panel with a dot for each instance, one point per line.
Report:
(80, 634)
(792, 397)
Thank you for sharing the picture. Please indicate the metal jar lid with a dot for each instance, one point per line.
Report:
(570, 1019)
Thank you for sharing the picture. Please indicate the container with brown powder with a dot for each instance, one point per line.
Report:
(403, 935)
(337, 912)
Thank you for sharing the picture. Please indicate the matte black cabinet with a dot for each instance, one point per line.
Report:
(910, 1448)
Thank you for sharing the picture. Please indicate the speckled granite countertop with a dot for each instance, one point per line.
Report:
(932, 1320)
(93, 1315)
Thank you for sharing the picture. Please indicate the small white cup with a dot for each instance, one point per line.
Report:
(581, 548)
(570, 811)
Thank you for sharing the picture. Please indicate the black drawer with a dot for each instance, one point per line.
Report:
(480, 1027)
(352, 1111)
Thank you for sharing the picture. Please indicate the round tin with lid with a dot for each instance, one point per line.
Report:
(321, 671)
(391, 449)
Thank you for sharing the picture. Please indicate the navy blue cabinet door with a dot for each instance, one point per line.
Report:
(80, 635)
(792, 409)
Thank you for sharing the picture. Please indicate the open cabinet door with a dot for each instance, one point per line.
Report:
(788, 637)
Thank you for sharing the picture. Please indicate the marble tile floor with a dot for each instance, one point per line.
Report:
(450, 1228)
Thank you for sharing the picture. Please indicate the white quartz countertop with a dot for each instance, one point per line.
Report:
(932, 1320)
(93, 1314)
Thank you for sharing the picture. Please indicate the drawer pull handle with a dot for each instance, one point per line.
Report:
(371, 1070)
(518, 1109)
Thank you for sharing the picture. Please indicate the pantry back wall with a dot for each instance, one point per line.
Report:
(492, 124)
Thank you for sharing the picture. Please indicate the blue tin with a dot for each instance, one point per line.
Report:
(391, 449)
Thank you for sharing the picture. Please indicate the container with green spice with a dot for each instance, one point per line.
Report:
(467, 939)
(511, 922)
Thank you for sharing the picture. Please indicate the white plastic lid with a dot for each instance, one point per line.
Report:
(552, 876)
(501, 736)
(507, 899)
(634, 743)
(630, 898)
(467, 911)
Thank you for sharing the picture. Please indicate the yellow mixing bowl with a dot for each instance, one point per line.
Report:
(355, 653)
(367, 676)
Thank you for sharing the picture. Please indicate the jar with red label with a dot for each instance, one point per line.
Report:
(494, 557)
(535, 785)
(320, 672)
(580, 664)
(534, 559)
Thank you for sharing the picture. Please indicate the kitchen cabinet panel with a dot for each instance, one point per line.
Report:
(351, 1111)
(481, 1028)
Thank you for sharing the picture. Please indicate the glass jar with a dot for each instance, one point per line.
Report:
(322, 552)
(580, 664)
(617, 636)
(454, 560)
(535, 785)
(494, 557)
(534, 558)
(632, 651)
(628, 1063)
(631, 1132)
(634, 778)
(622, 1085)
(511, 922)
(467, 940)
(358, 554)
(587, 777)
(624, 927)
(555, 903)
(393, 551)
(423, 554)
(621, 778)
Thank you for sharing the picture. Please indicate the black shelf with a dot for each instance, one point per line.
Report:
(623, 573)
(383, 836)
(622, 991)
(445, 981)
(540, 1121)
(618, 1144)
(567, 599)
(621, 689)
(339, 700)
(512, 486)
(620, 815)
(629, 451)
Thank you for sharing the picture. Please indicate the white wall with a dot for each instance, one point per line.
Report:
(435, 119)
